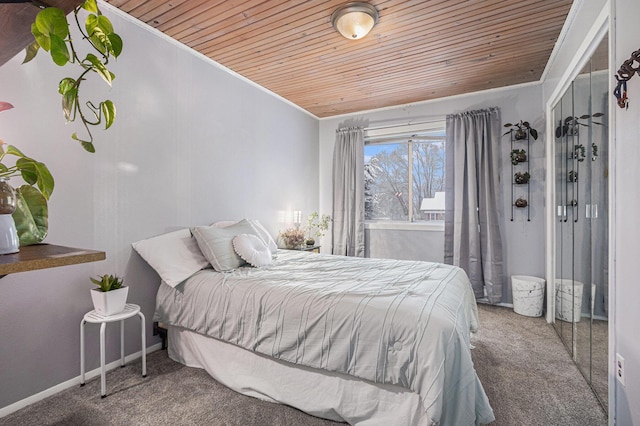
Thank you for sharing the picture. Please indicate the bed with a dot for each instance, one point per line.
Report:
(366, 341)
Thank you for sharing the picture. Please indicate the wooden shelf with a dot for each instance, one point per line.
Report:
(15, 24)
(43, 256)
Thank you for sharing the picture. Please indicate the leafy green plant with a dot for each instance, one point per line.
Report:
(107, 282)
(317, 225)
(518, 156)
(571, 125)
(51, 32)
(579, 152)
(521, 130)
(521, 178)
(31, 214)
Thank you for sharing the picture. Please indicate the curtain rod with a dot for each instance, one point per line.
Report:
(410, 123)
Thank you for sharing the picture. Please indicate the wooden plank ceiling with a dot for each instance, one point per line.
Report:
(419, 49)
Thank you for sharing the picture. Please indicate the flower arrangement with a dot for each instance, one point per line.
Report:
(293, 237)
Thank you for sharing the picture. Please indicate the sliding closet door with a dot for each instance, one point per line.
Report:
(581, 240)
(566, 202)
(599, 221)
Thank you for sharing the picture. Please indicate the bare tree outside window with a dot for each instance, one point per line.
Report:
(387, 178)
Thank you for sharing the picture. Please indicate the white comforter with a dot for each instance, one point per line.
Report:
(388, 321)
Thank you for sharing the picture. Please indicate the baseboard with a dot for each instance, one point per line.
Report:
(5, 411)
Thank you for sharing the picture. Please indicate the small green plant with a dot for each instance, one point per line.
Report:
(518, 156)
(579, 152)
(317, 225)
(51, 32)
(571, 125)
(521, 178)
(107, 282)
(521, 130)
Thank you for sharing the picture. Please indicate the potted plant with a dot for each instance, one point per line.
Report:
(520, 130)
(111, 295)
(579, 152)
(316, 227)
(571, 125)
(31, 210)
(521, 178)
(293, 238)
(521, 202)
(518, 156)
(51, 33)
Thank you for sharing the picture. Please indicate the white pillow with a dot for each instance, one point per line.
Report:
(252, 249)
(224, 223)
(260, 231)
(217, 246)
(175, 256)
(267, 239)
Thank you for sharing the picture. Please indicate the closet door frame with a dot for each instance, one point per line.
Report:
(578, 62)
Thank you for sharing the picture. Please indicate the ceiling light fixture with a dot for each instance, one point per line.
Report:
(354, 20)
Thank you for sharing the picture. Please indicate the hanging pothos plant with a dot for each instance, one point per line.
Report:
(51, 32)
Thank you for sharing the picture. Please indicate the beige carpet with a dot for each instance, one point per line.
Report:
(526, 372)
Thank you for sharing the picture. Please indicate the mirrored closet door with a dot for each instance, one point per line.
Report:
(581, 229)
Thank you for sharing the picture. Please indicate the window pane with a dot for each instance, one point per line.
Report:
(386, 181)
(428, 180)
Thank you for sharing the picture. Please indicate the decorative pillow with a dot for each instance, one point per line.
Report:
(260, 231)
(217, 246)
(224, 223)
(267, 239)
(252, 249)
(175, 256)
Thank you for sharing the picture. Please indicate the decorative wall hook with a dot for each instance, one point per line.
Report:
(626, 71)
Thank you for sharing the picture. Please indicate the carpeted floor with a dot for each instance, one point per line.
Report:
(526, 372)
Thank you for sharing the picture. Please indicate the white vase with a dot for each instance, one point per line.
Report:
(9, 242)
(109, 302)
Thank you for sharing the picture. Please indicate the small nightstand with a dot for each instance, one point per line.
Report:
(314, 249)
(130, 310)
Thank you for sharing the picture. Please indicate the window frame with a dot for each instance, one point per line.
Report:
(405, 134)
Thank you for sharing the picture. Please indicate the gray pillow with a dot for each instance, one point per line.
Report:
(216, 244)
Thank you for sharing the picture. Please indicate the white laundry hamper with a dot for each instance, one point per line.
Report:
(528, 295)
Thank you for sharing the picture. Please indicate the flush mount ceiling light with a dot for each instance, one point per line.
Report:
(354, 20)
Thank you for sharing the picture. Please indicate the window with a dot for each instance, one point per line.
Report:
(404, 174)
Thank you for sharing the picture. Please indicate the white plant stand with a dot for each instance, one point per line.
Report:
(130, 310)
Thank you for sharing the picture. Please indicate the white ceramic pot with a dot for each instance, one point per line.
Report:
(109, 302)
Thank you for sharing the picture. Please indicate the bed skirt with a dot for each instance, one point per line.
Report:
(329, 395)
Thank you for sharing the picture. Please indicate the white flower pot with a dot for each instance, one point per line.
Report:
(109, 302)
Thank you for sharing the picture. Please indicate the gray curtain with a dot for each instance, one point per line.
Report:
(472, 231)
(348, 192)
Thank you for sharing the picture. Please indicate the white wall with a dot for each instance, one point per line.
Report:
(627, 232)
(191, 144)
(523, 241)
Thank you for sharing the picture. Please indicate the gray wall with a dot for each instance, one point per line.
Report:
(192, 143)
(405, 244)
(523, 241)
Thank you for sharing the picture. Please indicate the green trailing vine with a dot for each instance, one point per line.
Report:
(51, 32)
